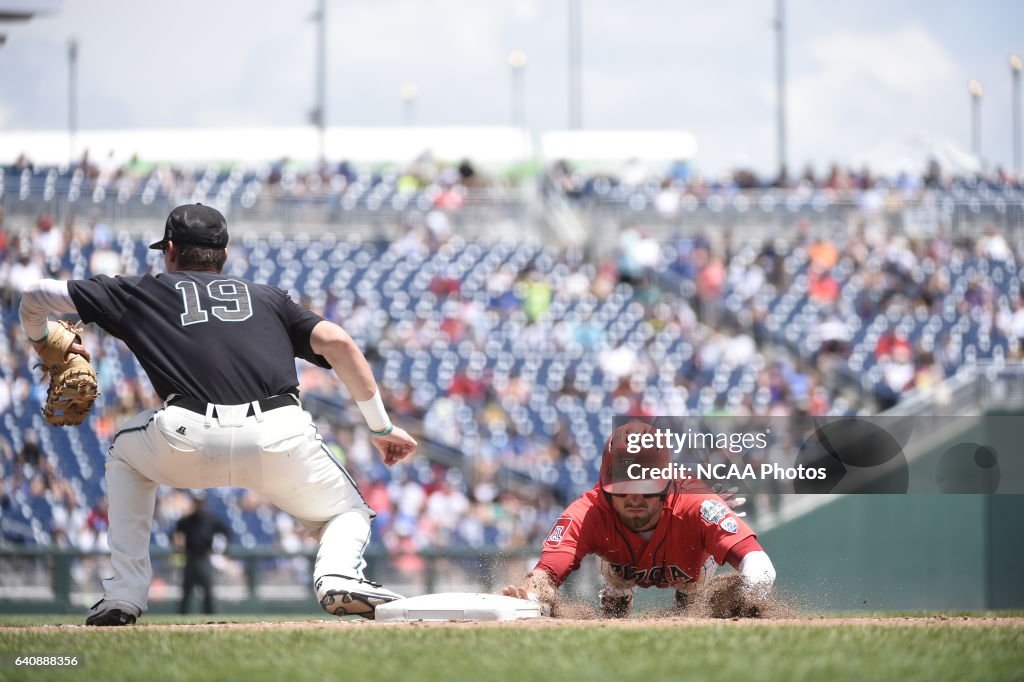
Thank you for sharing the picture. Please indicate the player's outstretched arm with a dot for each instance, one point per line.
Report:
(37, 302)
(341, 351)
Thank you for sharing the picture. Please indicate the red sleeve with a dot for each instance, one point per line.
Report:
(565, 545)
(742, 549)
(720, 528)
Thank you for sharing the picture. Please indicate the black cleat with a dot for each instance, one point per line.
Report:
(113, 613)
(341, 595)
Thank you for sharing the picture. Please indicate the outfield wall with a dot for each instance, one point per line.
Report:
(915, 551)
(895, 552)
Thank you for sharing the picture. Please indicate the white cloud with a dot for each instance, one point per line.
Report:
(524, 11)
(406, 32)
(860, 89)
(909, 59)
(858, 73)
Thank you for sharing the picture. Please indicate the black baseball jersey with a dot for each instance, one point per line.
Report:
(204, 335)
(199, 528)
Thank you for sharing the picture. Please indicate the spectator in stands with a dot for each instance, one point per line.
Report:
(891, 343)
(822, 286)
(97, 523)
(445, 506)
(823, 254)
(104, 259)
(537, 296)
(49, 239)
(27, 267)
(30, 455)
(710, 283)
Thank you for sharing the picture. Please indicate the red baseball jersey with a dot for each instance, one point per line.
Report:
(693, 527)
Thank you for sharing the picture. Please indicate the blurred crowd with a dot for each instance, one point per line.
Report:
(644, 331)
(427, 183)
(912, 310)
(680, 186)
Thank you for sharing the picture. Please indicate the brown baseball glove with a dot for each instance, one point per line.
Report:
(73, 387)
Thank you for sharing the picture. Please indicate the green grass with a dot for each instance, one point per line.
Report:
(364, 653)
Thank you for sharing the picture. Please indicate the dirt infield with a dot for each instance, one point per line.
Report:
(938, 621)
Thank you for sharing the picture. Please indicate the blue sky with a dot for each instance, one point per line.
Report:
(861, 73)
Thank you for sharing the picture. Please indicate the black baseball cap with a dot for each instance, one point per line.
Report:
(194, 225)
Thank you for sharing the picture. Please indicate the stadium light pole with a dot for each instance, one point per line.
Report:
(72, 97)
(517, 66)
(780, 85)
(575, 68)
(517, 71)
(976, 91)
(1015, 66)
(409, 94)
(318, 116)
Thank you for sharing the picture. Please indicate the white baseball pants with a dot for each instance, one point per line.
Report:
(278, 454)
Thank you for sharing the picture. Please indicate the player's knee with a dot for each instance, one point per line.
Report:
(353, 522)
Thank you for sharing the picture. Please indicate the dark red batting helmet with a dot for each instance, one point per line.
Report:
(622, 451)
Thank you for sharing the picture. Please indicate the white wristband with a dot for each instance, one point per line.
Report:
(374, 413)
(758, 573)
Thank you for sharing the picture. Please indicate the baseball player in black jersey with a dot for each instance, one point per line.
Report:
(220, 352)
